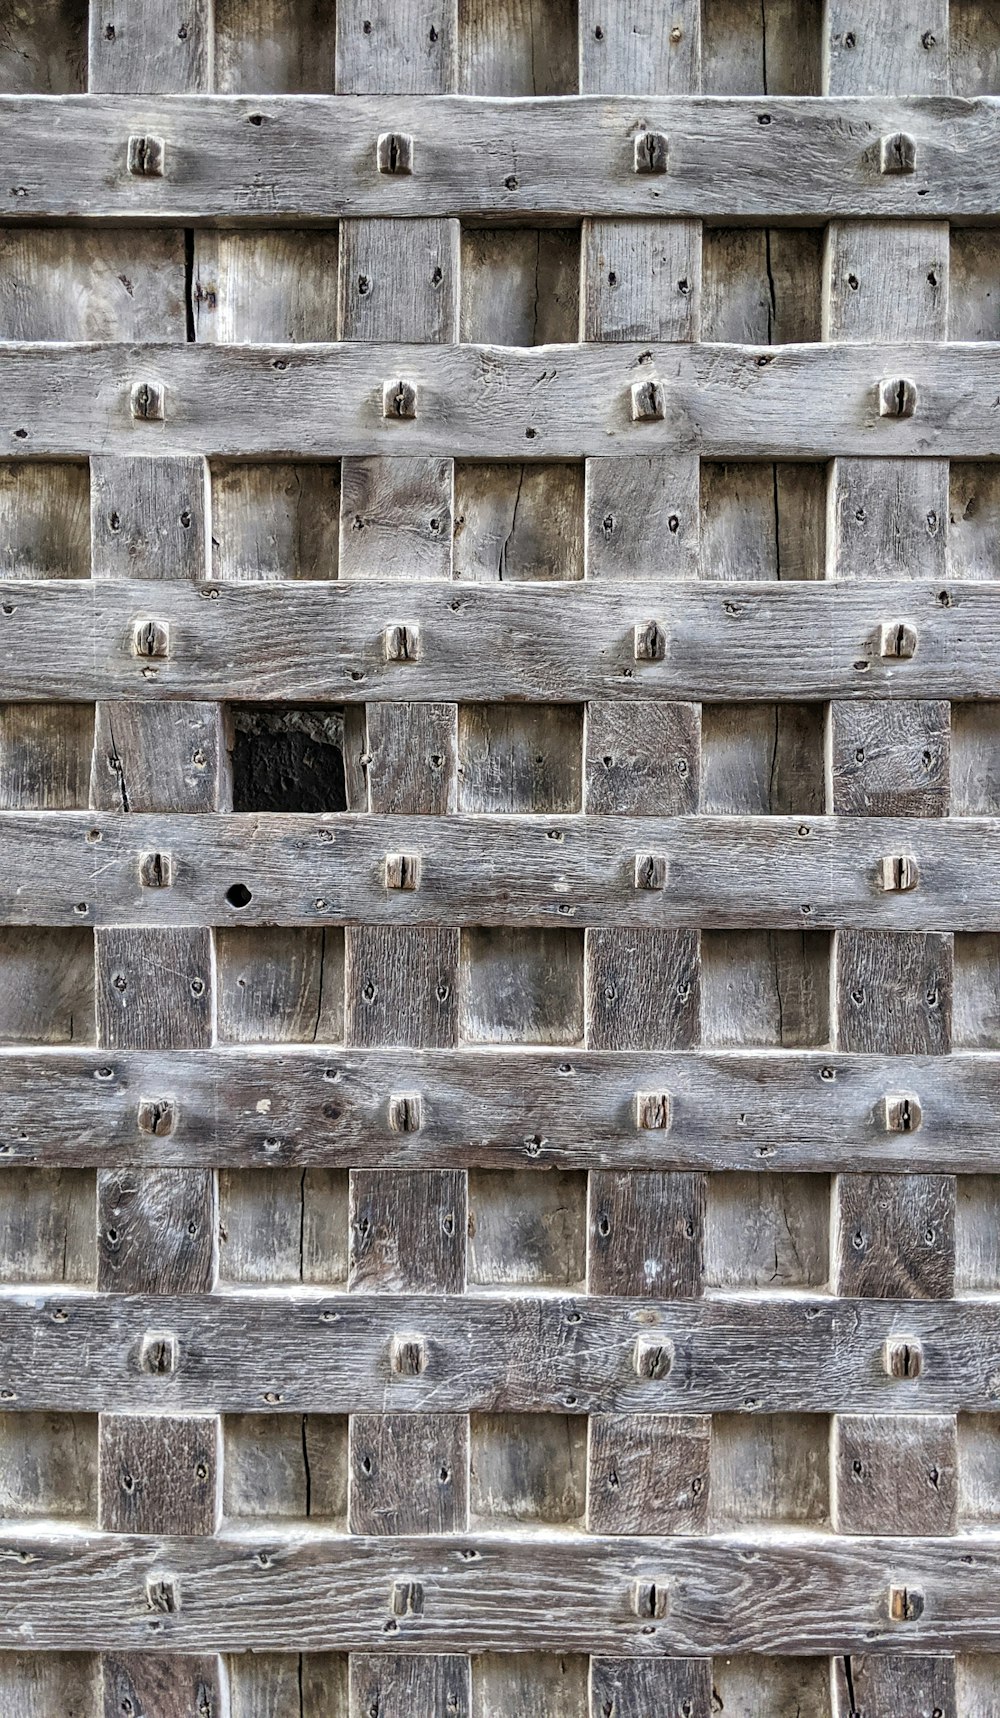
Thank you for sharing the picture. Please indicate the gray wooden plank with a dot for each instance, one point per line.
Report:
(409, 1473)
(407, 1683)
(770, 1111)
(865, 58)
(632, 1687)
(403, 49)
(647, 1473)
(294, 1352)
(788, 402)
(560, 1594)
(866, 1685)
(894, 1474)
(72, 284)
(160, 1473)
(894, 1235)
(890, 761)
(408, 1231)
(641, 50)
(45, 517)
(314, 158)
(150, 49)
(149, 518)
(63, 868)
(491, 643)
(171, 1685)
(156, 1230)
(154, 988)
(646, 1233)
(159, 757)
(642, 761)
(894, 993)
(45, 752)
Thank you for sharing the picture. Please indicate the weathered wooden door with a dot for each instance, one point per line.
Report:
(499, 883)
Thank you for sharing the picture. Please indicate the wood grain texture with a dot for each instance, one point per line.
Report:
(894, 1475)
(815, 159)
(295, 1352)
(160, 1474)
(486, 643)
(793, 402)
(499, 769)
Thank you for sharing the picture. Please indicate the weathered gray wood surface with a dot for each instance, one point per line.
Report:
(302, 642)
(278, 158)
(499, 770)
(493, 402)
(268, 1352)
(815, 874)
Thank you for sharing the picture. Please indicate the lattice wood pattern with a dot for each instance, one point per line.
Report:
(499, 865)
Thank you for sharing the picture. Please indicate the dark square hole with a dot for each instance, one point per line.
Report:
(288, 759)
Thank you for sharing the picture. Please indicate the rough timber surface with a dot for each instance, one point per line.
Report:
(286, 159)
(499, 896)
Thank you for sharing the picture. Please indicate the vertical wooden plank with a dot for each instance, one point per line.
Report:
(409, 1473)
(894, 1474)
(399, 281)
(168, 1685)
(893, 1236)
(145, 49)
(648, 1473)
(396, 47)
(157, 1229)
(636, 1687)
(160, 1474)
(641, 281)
(870, 1686)
(403, 1685)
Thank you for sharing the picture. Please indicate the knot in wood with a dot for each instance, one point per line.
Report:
(394, 152)
(897, 153)
(652, 1357)
(897, 397)
(402, 870)
(898, 874)
(406, 1599)
(401, 642)
(651, 1598)
(146, 157)
(651, 870)
(906, 1604)
(163, 1593)
(650, 152)
(650, 642)
(652, 1110)
(408, 1356)
(159, 1353)
(156, 870)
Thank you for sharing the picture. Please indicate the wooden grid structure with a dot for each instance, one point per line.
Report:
(499, 883)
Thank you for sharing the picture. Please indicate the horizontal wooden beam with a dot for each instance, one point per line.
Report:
(766, 1110)
(270, 159)
(493, 402)
(266, 1589)
(72, 868)
(289, 1351)
(297, 640)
